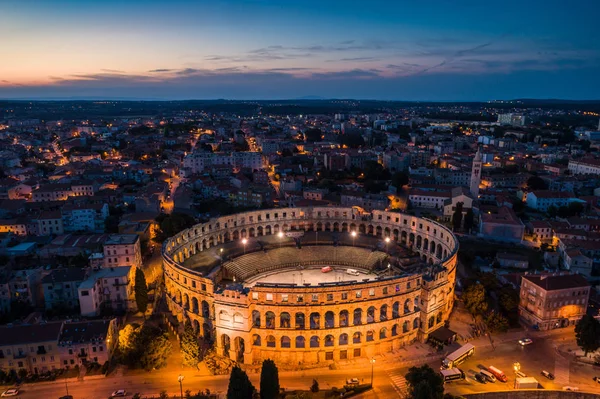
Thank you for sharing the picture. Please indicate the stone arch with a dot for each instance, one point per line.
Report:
(438, 318)
(196, 326)
(344, 227)
(243, 233)
(383, 333)
(256, 318)
(205, 309)
(378, 231)
(395, 234)
(386, 232)
(268, 230)
(432, 247)
(329, 319)
(362, 229)
(329, 340)
(403, 237)
(300, 342)
(238, 318)
(371, 314)
(327, 226)
(271, 341)
(371, 229)
(315, 320)
(300, 321)
(395, 310)
(206, 331)
(270, 320)
(276, 228)
(407, 306)
(236, 235)
(357, 337)
(344, 318)
(433, 300)
(426, 244)
(357, 317)
(405, 326)
(394, 330)
(431, 322)
(259, 231)
(251, 232)
(195, 305)
(256, 341)
(336, 226)
(383, 312)
(286, 342)
(178, 297)
(225, 344)
(370, 336)
(416, 302)
(419, 242)
(411, 238)
(438, 253)
(343, 340)
(314, 341)
(285, 320)
(416, 323)
(240, 348)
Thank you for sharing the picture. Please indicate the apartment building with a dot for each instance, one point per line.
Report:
(428, 199)
(50, 223)
(549, 301)
(122, 250)
(587, 166)
(87, 341)
(541, 200)
(33, 348)
(60, 288)
(84, 217)
(52, 192)
(111, 287)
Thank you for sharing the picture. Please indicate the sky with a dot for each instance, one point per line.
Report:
(435, 50)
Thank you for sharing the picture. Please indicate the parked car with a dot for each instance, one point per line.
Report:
(525, 341)
(597, 379)
(547, 374)
(570, 388)
(352, 381)
(11, 392)
(118, 393)
(326, 269)
(480, 378)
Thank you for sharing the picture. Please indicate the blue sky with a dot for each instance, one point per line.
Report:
(258, 49)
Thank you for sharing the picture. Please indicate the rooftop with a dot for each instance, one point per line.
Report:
(29, 334)
(552, 282)
(85, 331)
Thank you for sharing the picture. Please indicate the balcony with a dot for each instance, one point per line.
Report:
(20, 355)
(82, 355)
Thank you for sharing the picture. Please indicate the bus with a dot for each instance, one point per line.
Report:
(498, 373)
(458, 356)
(452, 374)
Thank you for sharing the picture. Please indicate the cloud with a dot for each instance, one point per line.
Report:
(112, 71)
(457, 54)
(160, 70)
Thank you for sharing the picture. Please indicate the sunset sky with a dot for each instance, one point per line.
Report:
(259, 49)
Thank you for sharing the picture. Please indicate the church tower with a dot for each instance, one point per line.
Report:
(476, 174)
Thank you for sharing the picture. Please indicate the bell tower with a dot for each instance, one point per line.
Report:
(476, 174)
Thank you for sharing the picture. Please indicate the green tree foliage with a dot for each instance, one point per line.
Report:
(587, 333)
(457, 216)
(169, 225)
(474, 299)
(189, 345)
(552, 211)
(536, 183)
(313, 135)
(509, 299)
(269, 380)
(141, 291)
(240, 386)
(424, 383)
(375, 171)
(144, 347)
(496, 322)
(399, 179)
(469, 219)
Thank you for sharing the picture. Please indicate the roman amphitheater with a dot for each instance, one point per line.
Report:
(311, 285)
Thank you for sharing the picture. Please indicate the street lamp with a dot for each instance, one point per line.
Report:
(280, 235)
(244, 242)
(221, 252)
(387, 241)
(389, 269)
(353, 234)
(372, 367)
(516, 367)
(180, 379)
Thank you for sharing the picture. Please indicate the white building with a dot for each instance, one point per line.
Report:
(584, 167)
(200, 160)
(122, 250)
(428, 199)
(512, 119)
(111, 287)
(84, 217)
(541, 200)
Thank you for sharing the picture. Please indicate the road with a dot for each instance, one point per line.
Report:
(389, 379)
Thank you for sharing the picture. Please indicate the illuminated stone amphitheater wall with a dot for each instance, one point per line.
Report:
(299, 324)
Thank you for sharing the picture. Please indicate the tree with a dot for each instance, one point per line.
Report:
(474, 299)
(424, 375)
(552, 211)
(240, 386)
(495, 322)
(269, 380)
(313, 135)
(314, 388)
(575, 208)
(399, 179)
(141, 291)
(153, 347)
(190, 346)
(352, 140)
(457, 216)
(587, 333)
(469, 220)
(127, 338)
(169, 225)
(536, 183)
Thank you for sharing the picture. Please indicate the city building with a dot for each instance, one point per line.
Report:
(549, 301)
(60, 288)
(504, 225)
(585, 166)
(122, 250)
(33, 348)
(541, 200)
(87, 341)
(84, 217)
(476, 174)
(111, 288)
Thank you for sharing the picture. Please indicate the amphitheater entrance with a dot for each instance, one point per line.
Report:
(239, 345)
(225, 344)
(206, 331)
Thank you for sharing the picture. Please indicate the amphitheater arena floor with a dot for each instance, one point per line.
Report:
(312, 276)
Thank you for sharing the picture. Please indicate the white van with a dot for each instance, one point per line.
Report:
(352, 272)
(488, 376)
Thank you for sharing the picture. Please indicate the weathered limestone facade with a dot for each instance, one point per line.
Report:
(314, 324)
